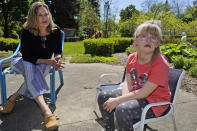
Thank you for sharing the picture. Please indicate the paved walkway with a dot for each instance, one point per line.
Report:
(75, 100)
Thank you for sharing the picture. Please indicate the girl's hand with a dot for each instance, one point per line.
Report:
(110, 104)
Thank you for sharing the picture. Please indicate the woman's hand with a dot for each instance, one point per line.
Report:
(57, 58)
(110, 104)
(56, 64)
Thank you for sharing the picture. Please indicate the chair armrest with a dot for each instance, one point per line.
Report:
(147, 107)
(104, 75)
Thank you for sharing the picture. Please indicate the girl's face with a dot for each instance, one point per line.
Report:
(43, 17)
(146, 43)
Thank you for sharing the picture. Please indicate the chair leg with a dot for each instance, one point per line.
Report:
(4, 88)
(52, 86)
(174, 120)
(61, 77)
(95, 105)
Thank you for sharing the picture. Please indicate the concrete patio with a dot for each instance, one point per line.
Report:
(75, 100)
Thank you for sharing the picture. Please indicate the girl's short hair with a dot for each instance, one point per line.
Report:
(31, 23)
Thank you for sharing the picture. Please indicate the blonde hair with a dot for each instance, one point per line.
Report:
(151, 28)
(31, 23)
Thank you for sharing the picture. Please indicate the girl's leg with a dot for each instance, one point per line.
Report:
(131, 110)
(108, 118)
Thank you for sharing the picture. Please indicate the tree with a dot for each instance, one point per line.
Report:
(95, 5)
(128, 12)
(177, 6)
(189, 14)
(147, 4)
(160, 7)
(89, 21)
(13, 13)
(64, 12)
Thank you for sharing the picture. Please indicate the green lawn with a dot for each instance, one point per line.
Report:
(77, 50)
(73, 48)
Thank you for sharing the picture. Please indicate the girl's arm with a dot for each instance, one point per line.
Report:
(125, 89)
(141, 93)
(147, 89)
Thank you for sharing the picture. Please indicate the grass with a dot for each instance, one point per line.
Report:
(73, 48)
(77, 51)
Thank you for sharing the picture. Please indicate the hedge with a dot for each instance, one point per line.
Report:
(8, 44)
(106, 46)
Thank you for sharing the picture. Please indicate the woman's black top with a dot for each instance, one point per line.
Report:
(32, 46)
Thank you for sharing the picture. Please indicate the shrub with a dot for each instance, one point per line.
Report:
(181, 62)
(193, 71)
(130, 50)
(193, 41)
(8, 44)
(171, 39)
(188, 63)
(121, 44)
(178, 62)
(99, 47)
(106, 46)
(183, 49)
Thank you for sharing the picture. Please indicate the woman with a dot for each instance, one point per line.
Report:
(146, 81)
(40, 39)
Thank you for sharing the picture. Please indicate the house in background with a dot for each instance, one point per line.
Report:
(70, 34)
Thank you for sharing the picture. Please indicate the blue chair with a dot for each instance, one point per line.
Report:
(10, 71)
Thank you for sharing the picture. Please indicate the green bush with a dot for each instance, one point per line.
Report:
(193, 41)
(178, 62)
(14, 35)
(183, 49)
(181, 62)
(121, 44)
(99, 47)
(106, 46)
(171, 39)
(8, 44)
(130, 50)
(188, 63)
(193, 71)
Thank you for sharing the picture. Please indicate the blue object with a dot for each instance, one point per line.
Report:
(9, 71)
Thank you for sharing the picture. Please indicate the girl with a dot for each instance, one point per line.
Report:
(146, 82)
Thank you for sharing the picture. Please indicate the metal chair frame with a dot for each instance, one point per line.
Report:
(175, 78)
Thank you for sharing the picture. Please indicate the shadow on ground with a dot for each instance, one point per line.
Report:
(26, 115)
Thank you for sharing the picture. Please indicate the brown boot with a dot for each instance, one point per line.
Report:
(8, 107)
(50, 122)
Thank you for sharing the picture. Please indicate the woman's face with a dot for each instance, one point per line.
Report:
(43, 17)
(146, 42)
